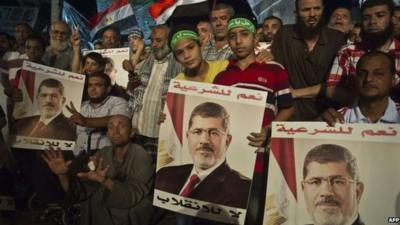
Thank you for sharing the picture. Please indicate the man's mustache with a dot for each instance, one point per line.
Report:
(205, 148)
(328, 200)
(48, 105)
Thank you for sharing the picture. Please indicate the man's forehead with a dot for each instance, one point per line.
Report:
(309, 3)
(316, 169)
(119, 119)
(341, 11)
(376, 9)
(45, 89)
(219, 13)
(271, 21)
(96, 80)
(159, 32)
(60, 26)
(375, 62)
(200, 121)
(110, 33)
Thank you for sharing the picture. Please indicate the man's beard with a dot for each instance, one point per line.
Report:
(161, 53)
(98, 99)
(330, 216)
(375, 40)
(307, 32)
(268, 38)
(58, 45)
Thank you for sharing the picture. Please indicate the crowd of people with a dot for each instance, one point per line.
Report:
(340, 71)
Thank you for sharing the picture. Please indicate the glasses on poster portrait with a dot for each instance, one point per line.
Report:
(336, 182)
(212, 132)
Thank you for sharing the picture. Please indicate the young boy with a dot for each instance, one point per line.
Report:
(185, 44)
(246, 72)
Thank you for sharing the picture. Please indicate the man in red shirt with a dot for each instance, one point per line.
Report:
(271, 77)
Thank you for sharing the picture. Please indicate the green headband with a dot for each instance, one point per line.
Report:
(241, 22)
(183, 34)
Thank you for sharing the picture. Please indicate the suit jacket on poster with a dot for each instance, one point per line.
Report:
(59, 128)
(223, 186)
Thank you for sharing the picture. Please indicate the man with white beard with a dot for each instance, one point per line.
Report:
(58, 54)
(331, 186)
(147, 99)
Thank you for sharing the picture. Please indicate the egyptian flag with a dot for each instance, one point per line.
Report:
(281, 200)
(163, 9)
(170, 140)
(120, 13)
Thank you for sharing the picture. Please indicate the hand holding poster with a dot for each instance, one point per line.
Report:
(204, 162)
(333, 175)
(48, 124)
(114, 66)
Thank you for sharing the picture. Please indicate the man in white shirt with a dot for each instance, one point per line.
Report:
(147, 99)
(375, 79)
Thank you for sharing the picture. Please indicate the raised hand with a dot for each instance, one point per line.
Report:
(76, 117)
(100, 172)
(75, 38)
(55, 161)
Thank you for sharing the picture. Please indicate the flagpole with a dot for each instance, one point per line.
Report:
(55, 10)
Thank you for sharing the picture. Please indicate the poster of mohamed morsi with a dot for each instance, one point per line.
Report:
(344, 175)
(48, 90)
(204, 162)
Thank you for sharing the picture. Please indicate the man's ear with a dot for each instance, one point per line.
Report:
(109, 89)
(63, 100)
(228, 140)
(359, 190)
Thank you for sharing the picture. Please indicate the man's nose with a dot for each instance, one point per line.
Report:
(186, 55)
(369, 77)
(238, 39)
(373, 20)
(204, 137)
(312, 12)
(326, 188)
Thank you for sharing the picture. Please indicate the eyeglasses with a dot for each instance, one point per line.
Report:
(56, 32)
(336, 182)
(212, 132)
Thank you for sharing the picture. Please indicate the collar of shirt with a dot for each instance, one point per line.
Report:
(203, 174)
(47, 121)
(97, 105)
(390, 115)
(233, 65)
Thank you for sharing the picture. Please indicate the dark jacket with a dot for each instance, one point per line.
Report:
(59, 128)
(223, 186)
